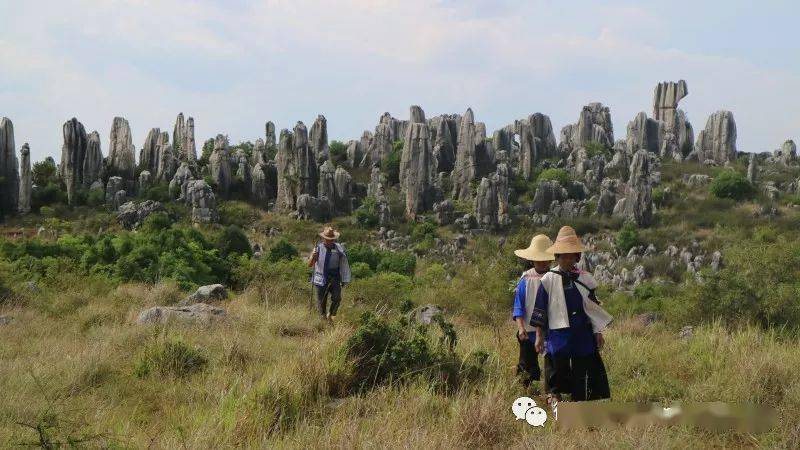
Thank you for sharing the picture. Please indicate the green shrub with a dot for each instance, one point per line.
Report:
(170, 358)
(382, 289)
(233, 240)
(383, 351)
(361, 270)
(554, 174)
(627, 238)
(391, 163)
(594, 148)
(158, 192)
(423, 230)
(237, 213)
(157, 222)
(49, 194)
(95, 198)
(282, 249)
(367, 214)
(364, 253)
(338, 152)
(731, 184)
(400, 262)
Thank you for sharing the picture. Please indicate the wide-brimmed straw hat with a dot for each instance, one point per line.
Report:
(567, 242)
(329, 233)
(537, 251)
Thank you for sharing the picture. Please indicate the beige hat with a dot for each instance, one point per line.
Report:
(567, 242)
(537, 251)
(329, 233)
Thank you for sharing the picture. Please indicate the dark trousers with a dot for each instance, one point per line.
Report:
(582, 377)
(528, 366)
(334, 288)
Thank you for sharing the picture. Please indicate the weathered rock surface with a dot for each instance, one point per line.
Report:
(752, 168)
(717, 142)
(73, 156)
(645, 133)
(202, 200)
(25, 180)
(318, 138)
(269, 135)
(486, 206)
(9, 171)
(638, 203)
(327, 188)
(528, 151)
(145, 181)
(148, 155)
(594, 125)
(209, 293)
(306, 161)
(546, 193)
(417, 167)
(219, 162)
(93, 163)
(264, 183)
(179, 182)
(167, 163)
(666, 98)
(343, 192)
(121, 151)
(444, 142)
(464, 171)
(313, 208)
(197, 314)
(787, 154)
(288, 183)
(131, 215)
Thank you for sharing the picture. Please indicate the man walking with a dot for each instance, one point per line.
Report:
(331, 272)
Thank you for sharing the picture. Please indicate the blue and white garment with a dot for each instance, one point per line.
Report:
(321, 273)
(525, 298)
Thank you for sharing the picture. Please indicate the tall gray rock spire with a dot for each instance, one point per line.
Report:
(73, 156)
(93, 163)
(717, 142)
(665, 99)
(288, 182)
(417, 169)
(318, 138)
(121, 151)
(25, 179)
(220, 165)
(464, 171)
(307, 172)
(9, 171)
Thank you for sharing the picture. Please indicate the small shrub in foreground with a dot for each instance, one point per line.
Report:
(732, 184)
(170, 357)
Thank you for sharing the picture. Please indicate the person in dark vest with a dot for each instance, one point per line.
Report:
(331, 272)
(569, 325)
(539, 261)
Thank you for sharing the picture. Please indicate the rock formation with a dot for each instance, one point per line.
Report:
(637, 205)
(166, 159)
(528, 151)
(787, 154)
(177, 136)
(131, 215)
(145, 181)
(115, 184)
(307, 173)
(9, 171)
(486, 206)
(594, 125)
(444, 146)
(269, 135)
(343, 198)
(243, 172)
(645, 133)
(179, 182)
(25, 180)
(417, 168)
(93, 163)
(327, 188)
(148, 155)
(542, 129)
(464, 171)
(502, 182)
(318, 138)
(666, 98)
(288, 182)
(183, 143)
(546, 193)
(417, 115)
(259, 152)
(219, 163)
(313, 208)
(200, 197)
(380, 146)
(752, 168)
(264, 183)
(121, 151)
(73, 156)
(717, 142)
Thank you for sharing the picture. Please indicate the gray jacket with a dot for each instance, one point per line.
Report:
(319, 277)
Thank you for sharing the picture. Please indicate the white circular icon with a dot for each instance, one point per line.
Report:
(521, 405)
(536, 416)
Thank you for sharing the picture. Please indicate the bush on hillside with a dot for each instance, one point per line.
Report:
(627, 238)
(732, 184)
(367, 214)
(383, 351)
(554, 174)
(170, 358)
(391, 163)
(361, 270)
(232, 240)
(399, 262)
(282, 249)
(338, 152)
(237, 213)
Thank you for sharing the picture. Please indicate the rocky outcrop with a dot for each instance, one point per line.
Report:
(486, 206)
(542, 129)
(343, 192)
(259, 152)
(288, 182)
(313, 208)
(188, 145)
(444, 212)
(416, 115)
(752, 168)
(25, 179)
(131, 215)
(594, 125)
(637, 205)
(179, 182)
(208, 294)
(115, 184)
(145, 181)
(464, 170)
(666, 98)
(200, 197)
(307, 173)
(244, 175)
(607, 198)
(717, 142)
(73, 157)
(148, 154)
(502, 182)
(178, 132)
(269, 135)
(417, 167)
(444, 145)
(264, 183)
(93, 163)
(167, 163)
(219, 163)
(528, 152)
(121, 151)
(354, 153)
(645, 133)
(327, 188)
(318, 139)
(380, 146)
(546, 193)
(787, 154)
(9, 171)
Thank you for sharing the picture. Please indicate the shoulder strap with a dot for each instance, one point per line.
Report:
(592, 295)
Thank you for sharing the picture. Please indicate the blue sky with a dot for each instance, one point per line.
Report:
(233, 65)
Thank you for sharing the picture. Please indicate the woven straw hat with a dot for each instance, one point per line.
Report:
(537, 251)
(567, 242)
(329, 233)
